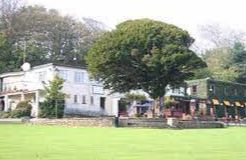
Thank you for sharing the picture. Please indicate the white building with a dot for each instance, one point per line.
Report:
(84, 96)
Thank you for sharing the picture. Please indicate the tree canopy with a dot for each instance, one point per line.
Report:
(225, 63)
(220, 66)
(224, 53)
(239, 61)
(143, 54)
(39, 35)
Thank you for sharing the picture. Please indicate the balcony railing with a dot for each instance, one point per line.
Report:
(20, 86)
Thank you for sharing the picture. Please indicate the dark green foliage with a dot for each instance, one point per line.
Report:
(53, 106)
(51, 109)
(23, 109)
(239, 60)
(5, 56)
(134, 97)
(202, 73)
(143, 54)
(225, 63)
(38, 35)
(220, 66)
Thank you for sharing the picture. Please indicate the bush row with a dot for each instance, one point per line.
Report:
(23, 109)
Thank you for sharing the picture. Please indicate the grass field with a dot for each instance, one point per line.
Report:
(27, 142)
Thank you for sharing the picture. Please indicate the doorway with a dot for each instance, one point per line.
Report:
(2, 104)
(102, 102)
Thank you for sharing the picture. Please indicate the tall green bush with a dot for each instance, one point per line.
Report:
(53, 105)
(51, 108)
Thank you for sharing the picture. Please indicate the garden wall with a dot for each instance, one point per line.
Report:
(86, 122)
(200, 124)
(161, 123)
(143, 122)
(123, 122)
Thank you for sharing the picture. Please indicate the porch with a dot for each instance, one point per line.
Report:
(9, 101)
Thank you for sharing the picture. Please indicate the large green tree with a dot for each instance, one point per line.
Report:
(38, 35)
(220, 65)
(225, 63)
(5, 57)
(143, 54)
(239, 61)
(224, 55)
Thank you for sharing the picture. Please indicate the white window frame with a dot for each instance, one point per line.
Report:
(79, 77)
(235, 92)
(63, 74)
(42, 76)
(225, 91)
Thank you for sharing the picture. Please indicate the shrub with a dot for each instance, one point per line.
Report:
(51, 109)
(53, 105)
(23, 109)
(4, 114)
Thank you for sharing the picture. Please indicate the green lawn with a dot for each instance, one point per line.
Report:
(27, 142)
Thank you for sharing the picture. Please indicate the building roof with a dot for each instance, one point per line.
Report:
(8, 74)
(57, 64)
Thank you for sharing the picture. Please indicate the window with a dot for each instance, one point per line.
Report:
(75, 99)
(97, 90)
(102, 102)
(194, 89)
(173, 90)
(92, 100)
(235, 92)
(212, 88)
(79, 77)
(41, 76)
(225, 91)
(63, 74)
(83, 99)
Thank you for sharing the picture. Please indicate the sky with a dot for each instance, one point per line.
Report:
(187, 14)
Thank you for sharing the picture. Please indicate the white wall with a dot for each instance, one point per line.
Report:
(88, 88)
(37, 77)
(13, 82)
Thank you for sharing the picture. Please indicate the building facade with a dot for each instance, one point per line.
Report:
(218, 98)
(84, 96)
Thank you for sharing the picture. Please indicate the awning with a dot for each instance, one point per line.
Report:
(215, 101)
(238, 104)
(227, 103)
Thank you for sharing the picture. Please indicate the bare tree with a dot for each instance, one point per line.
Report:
(220, 36)
(8, 9)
